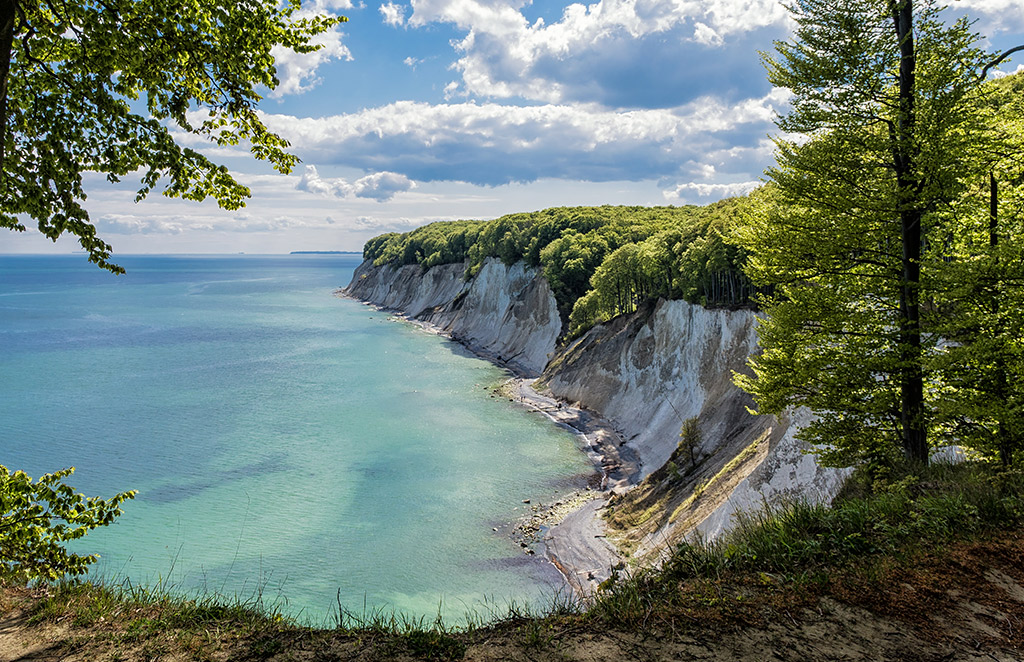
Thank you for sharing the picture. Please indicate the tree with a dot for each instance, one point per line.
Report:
(690, 439)
(979, 296)
(885, 103)
(36, 518)
(75, 76)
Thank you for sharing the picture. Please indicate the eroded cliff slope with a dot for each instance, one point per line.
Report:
(649, 372)
(646, 373)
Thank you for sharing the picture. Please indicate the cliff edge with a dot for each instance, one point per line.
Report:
(645, 373)
(507, 314)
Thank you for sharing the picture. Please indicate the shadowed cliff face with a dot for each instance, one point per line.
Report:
(646, 373)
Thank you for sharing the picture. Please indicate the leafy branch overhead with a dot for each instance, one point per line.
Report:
(103, 86)
(36, 518)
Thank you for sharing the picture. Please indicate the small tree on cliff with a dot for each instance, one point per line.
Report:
(70, 73)
(37, 517)
(689, 441)
(885, 100)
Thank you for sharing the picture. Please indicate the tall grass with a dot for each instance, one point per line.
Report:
(803, 541)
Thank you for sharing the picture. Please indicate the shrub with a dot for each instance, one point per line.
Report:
(36, 518)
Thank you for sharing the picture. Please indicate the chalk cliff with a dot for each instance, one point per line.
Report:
(505, 313)
(645, 373)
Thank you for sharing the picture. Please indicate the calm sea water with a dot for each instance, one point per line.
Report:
(283, 441)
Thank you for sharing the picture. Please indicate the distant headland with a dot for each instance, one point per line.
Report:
(326, 253)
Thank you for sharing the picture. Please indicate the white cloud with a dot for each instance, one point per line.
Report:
(174, 224)
(707, 35)
(1000, 74)
(380, 186)
(451, 90)
(394, 14)
(312, 182)
(411, 61)
(323, 6)
(587, 52)
(999, 15)
(379, 225)
(297, 72)
(495, 144)
(706, 190)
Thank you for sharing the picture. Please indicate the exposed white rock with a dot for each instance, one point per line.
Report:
(651, 371)
(506, 313)
(670, 361)
(646, 373)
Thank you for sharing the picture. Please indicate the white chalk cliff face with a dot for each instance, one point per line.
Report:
(504, 313)
(672, 360)
(645, 372)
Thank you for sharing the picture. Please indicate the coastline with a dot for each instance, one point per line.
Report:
(575, 541)
(572, 531)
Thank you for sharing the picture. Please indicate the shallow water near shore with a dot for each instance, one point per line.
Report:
(284, 441)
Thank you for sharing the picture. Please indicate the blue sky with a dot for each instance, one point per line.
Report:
(423, 110)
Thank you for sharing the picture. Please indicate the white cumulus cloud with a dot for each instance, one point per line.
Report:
(380, 186)
(495, 144)
(616, 52)
(298, 72)
(686, 192)
(1000, 74)
(997, 15)
(394, 14)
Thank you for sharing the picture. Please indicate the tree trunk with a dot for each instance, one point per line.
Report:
(8, 17)
(1003, 442)
(912, 414)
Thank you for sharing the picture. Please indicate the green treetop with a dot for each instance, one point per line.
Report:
(849, 232)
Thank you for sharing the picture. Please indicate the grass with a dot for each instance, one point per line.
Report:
(805, 544)
(774, 560)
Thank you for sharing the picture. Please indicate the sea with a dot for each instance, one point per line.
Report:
(290, 448)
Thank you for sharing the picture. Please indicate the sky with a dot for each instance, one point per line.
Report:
(422, 110)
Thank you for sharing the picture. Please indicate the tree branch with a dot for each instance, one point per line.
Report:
(999, 59)
(8, 13)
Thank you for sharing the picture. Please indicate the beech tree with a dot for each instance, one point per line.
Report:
(884, 107)
(103, 86)
(38, 517)
(979, 296)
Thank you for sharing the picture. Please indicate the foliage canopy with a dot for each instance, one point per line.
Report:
(864, 225)
(599, 261)
(103, 86)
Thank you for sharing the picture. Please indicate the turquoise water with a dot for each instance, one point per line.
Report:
(284, 441)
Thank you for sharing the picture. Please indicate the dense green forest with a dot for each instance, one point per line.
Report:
(599, 261)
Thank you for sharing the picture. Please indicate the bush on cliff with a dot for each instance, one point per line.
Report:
(38, 517)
